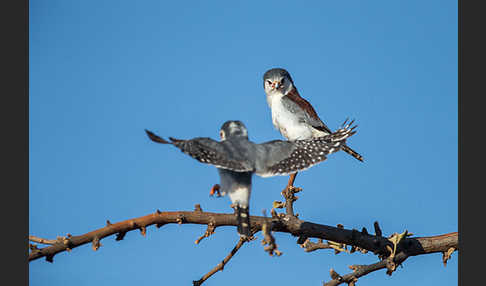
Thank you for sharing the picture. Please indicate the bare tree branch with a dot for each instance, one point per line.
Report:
(281, 223)
(221, 265)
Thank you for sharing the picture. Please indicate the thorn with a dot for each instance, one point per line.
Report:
(446, 255)
(50, 258)
(354, 267)
(278, 205)
(158, 211)
(120, 236)
(108, 223)
(96, 243)
(377, 229)
(364, 231)
(197, 208)
(335, 275)
(143, 230)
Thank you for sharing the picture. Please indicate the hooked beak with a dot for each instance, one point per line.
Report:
(275, 85)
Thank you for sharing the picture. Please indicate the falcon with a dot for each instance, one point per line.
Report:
(237, 159)
(292, 115)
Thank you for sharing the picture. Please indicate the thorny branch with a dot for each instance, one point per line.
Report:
(390, 263)
(288, 224)
(392, 251)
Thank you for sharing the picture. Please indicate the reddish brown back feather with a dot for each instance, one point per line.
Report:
(294, 95)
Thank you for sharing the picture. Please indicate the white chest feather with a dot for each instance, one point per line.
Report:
(288, 123)
(240, 195)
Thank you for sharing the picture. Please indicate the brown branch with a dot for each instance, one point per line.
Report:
(310, 246)
(285, 223)
(268, 239)
(221, 265)
(428, 244)
(362, 270)
(289, 194)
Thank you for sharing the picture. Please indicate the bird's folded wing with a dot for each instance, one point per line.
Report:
(208, 151)
(298, 105)
(287, 157)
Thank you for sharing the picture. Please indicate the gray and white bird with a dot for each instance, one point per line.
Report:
(237, 159)
(292, 115)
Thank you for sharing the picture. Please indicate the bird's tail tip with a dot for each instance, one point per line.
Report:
(243, 220)
(156, 138)
(346, 130)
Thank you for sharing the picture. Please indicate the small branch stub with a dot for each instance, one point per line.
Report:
(143, 230)
(377, 229)
(335, 275)
(209, 231)
(120, 236)
(446, 255)
(96, 243)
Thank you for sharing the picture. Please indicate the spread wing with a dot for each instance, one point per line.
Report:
(287, 157)
(206, 150)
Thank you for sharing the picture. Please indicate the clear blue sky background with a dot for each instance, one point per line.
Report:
(102, 71)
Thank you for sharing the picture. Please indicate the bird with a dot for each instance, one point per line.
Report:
(293, 116)
(237, 159)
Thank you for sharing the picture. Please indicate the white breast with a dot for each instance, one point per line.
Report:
(287, 122)
(240, 195)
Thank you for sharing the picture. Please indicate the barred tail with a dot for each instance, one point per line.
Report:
(243, 220)
(351, 152)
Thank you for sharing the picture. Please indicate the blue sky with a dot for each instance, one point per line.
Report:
(103, 71)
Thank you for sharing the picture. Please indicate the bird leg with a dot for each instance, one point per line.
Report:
(215, 190)
(289, 194)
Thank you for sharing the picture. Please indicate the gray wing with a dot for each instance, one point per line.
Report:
(208, 151)
(310, 117)
(287, 157)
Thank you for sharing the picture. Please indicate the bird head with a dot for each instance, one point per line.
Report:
(277, 81)
(233, 128)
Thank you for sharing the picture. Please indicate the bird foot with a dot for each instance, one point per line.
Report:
(294, 189)
(215, 190)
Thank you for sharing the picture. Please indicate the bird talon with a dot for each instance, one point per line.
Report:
(215, 190)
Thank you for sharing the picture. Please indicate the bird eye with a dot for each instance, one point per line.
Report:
(269, 82)
(221, 134)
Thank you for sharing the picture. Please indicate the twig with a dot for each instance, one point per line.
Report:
(268, 239)
(361, 270)
(41, 240)
(310, 246)
(221, 265)
(289, 194)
